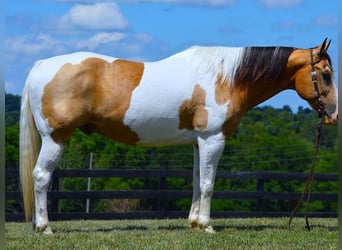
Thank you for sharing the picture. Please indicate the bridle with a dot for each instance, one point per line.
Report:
(321, 109)
(321, 112)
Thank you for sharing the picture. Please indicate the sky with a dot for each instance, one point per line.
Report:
(150, 30)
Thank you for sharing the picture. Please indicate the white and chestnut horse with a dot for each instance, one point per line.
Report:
(197, 97)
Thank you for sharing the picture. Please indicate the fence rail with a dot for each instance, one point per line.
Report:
(260, 195)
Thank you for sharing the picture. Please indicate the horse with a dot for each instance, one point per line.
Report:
(196, 96)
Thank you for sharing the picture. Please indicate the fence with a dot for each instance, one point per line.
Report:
(260, 195)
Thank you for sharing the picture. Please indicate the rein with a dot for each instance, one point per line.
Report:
(321, 111)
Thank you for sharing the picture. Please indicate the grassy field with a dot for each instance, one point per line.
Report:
(261, 233)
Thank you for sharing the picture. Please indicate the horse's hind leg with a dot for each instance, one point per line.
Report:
(49, 155)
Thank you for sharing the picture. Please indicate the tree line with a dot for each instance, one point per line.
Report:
(267, 139)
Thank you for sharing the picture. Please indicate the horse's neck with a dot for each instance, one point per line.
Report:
(262, 90)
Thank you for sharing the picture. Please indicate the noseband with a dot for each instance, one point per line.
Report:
(321, 112)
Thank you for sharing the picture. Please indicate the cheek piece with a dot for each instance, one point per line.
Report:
(321, 109)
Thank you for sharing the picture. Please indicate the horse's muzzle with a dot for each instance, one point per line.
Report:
(332, 119)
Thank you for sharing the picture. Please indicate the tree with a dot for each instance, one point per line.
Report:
(12, 146)
(12, 109)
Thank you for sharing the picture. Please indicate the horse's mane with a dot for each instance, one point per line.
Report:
(219, 61)
(265, 63)
(240, 65)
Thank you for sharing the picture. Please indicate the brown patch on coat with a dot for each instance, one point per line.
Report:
(236, 97)
(192, 112)
(222, 90)
(93, 96)
(236, 108)
(225, 93)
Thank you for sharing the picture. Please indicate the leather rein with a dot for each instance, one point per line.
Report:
(321, 111)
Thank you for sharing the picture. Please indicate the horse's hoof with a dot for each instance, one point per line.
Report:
(193, 225)
(44, 230)
(209, 229)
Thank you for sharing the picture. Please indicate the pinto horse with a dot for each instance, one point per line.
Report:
(197, 97)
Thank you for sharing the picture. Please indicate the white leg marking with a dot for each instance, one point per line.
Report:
(49, 155)
(210, 150)
(196, 196)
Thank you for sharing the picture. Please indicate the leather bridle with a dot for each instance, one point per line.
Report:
(321, 112)
(321, 109)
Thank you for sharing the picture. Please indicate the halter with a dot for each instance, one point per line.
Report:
(321, 111)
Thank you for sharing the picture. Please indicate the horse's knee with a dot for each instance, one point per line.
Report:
(41, 178)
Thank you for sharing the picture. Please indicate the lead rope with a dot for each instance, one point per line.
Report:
(307, 189)
(321, 111)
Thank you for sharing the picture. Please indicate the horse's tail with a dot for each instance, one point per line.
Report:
(28, 152)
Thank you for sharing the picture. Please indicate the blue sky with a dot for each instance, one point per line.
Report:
(153, 29)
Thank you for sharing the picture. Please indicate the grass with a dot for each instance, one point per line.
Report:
(260, 233)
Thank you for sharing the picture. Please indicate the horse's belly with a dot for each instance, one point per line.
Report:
(160, 131)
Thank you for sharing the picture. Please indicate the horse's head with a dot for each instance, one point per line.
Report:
(314, 82)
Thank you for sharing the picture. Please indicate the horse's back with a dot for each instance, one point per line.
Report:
(43, 70)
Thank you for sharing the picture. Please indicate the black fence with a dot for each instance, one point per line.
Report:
(259, 195)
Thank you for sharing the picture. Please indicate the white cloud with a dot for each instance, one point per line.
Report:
(326, 20)
(280, 3)
(143, 37)
(208, 3)
(288, 25)
(34, 44)
(98, 16)
(116, 43)
(100, 39)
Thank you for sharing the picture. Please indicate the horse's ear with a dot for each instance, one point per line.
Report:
(325, 45)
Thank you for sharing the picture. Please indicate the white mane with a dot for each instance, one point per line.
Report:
(222, 61)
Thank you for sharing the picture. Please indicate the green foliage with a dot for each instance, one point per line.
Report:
(267, 139)
(12, 146)
(12, 109)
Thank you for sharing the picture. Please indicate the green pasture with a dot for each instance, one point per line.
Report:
(252, 233)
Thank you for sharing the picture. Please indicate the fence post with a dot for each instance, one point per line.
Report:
(260, 189)
(89, 182)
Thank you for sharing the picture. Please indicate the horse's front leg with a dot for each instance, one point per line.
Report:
(196, 195)
(210, 150)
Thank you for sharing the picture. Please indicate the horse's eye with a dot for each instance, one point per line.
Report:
(326, 77)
